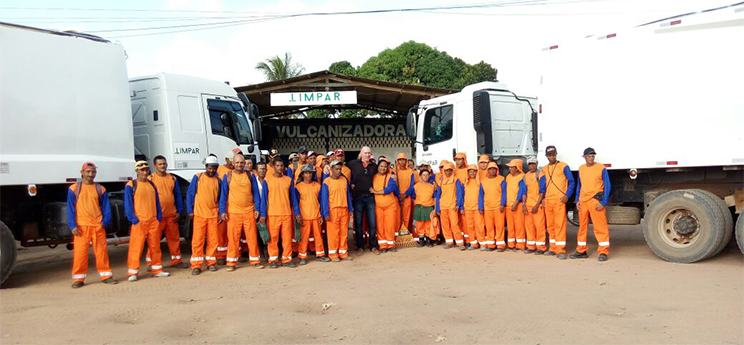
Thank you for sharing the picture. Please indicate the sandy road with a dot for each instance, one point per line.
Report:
(417, 295)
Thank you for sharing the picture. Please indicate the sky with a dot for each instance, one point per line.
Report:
(508, 34)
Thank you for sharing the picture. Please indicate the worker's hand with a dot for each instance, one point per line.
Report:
(501, 208)
(578, 207)
(262, 220)
(439, 214)
(191, 216)
(177, 218)
(534, 209)
(321, 221)
(600, 207)
(564, 199)
(223, 217)
(76, 231)
(352, 186)
(514, 207)
(524, 209)
(401, 198)
(328, 219)
(299, 220)
(256, 214)
(327, 169)
(481, 212)
(371, 190)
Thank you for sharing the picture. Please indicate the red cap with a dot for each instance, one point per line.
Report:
(87, 165)
(338, 152)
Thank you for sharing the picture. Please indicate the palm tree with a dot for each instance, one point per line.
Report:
(276, 68)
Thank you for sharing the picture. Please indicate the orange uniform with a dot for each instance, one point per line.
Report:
(424, 195)
(306, 204)
(592, 189)
(474, 227)
(449, 203)
(534, 223)
(559, 182)
(237, 199)
(461, 173)
(142, 206)
(203, 202)
(387, 211)
(515, 188)
(222, 239)
(405, 179)
(88, 210)
(493, 196)
(280, 220)
(171, 203)
(335, 206)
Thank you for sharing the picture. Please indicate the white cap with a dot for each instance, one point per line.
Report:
(330, 153)
(531, 160)
(211, 160)
(423, 162)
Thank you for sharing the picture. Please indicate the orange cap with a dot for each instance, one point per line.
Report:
(461, 155)
(517, 163)
(383, 159)
(401, 156)
(472, 167)
(319, 160)
(87, 165)
(447, 165)
(443, 163)
(483, 158)
(493, 165)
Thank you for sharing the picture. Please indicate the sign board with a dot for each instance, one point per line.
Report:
(313, 98)
(358, 130)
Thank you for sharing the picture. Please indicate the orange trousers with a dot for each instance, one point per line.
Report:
(337, 230)
(450, 226)
(386, 221)
(601, 230)
(555, 222)
(204, 227)
(495, 236)
(515, 226)
(97, 236)
(280, 226)
(463, 227)
(475, 228)
(534, 224)
(222, 241)
(311, 230)
(172, 238)
(144, 231)
(406, 216)
(425, 229)
(239, 224)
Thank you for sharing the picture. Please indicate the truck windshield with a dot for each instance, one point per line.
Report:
(438, 124)
(244, 135)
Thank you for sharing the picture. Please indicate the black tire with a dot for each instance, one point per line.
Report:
(574, 219)
(672, 213)
(7, 252)
(728, 219)
(740, 233)
(623, 215)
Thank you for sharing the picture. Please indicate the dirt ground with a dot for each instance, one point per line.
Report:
(414, 296)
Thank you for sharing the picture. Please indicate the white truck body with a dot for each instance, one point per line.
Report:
(63, 101)
(172, 117)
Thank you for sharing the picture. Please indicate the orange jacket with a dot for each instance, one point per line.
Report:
(203, 196)
(142, 204)
(169, 192)
(306, 201)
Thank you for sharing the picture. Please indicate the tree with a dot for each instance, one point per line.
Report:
(343, 67)
(277, 68)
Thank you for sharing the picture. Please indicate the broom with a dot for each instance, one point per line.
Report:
(405, 239)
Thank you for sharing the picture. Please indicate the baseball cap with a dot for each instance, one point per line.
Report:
(461, 155)
(307, 168)
(88, 165)
(447, 165)
(293, 156)
(211, 161)
(401, 156)
(141, 164)
(329, 153)
(424, 162)
(230, 154)
(493, 165)
(589, 151)
(302, 149)
(532, 160)
(334, 163)
(483, 158)
(472, 167)
(383, 159)
(339, 152)
(311, 153)
(550, 149)
(514, 163)
(273, 152)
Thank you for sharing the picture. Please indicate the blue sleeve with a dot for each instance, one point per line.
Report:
(256, 194)
(191, 194)
(409, 192)
(105, 209)
(607, 187)
(481, 199)
(348, 198)
(177, 198)
(324, 176)
(578, 189)
(460, 195)
(265, 199)
(71, 201)
(224, 193)
(392, 187)
(296, 202)
(413, 194)
(503, 193)
(437, 195)
(324, 206)
(522, 190)
(129, 204)
(543, 186)
(571, 182)
(157, 206)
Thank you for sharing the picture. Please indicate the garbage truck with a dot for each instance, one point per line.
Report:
(65, 99)
(660, 103)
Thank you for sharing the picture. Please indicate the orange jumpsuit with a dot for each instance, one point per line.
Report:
(424, 195)
(449, 201)
(335, 206)
(279, 216)
(493, 194)
(386, 209)
(405, 178)
(143, 210)
(559, 182)
(89, 211)
(237, 200)
(306, 203)
(534, 223)
(203, 202)
(172, 204)
(592, 180)
(222, 170)
(462, 175)
(515, 188)
(474, 225)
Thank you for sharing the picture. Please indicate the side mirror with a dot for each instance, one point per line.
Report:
(411, 124)
(257, 132)
(250, 147)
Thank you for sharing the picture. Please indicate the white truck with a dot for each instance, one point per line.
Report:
(65, 99)
(662, 105)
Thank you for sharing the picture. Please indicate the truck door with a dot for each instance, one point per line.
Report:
(512, 126)
(436, 128)
(229, 126)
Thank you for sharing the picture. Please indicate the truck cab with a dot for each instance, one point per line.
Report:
(186, 118)
(501, 122)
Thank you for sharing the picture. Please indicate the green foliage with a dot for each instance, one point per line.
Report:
(277, 68)
(343, 67)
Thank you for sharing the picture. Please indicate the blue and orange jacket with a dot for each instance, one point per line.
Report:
(335, 193)
(405, 179)
(169, 192)
(203, 196)
(306, 200)
(385, 183)
(558, 181)
(535, 186)
(450, 193)
(424, 194)
(595, 179)
(142, 204)
(87, 209)
(278, 196)
(492, 193)
(244, 193)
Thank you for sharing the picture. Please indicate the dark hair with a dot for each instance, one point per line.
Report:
(277, 159)
(158, 157)
(260, 163)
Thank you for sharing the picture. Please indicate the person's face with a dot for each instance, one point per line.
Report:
(279, 166)
(142, 173)
(365, 154)
(589, 158)
(492, 172)
(89, 174)
(402, 163)
(424, 176)
(532, 167)
(161, 165)
(552, 157)
(341, 157)
(472, 173)
(448, 172)
(336, 171)
(410, 163)
(382, 168)
(460, 162)
(513, 170)
(325, 161)
(248, 165)
(228, 163)
(307, 176)
(239, 163)
(311, 160)
(261, 170)
(303, 156)
(211, 170)
(483, 165)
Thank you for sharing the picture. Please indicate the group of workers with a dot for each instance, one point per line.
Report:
(305, 206)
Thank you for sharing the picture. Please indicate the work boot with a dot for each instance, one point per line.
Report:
(578, 255)
(303, 262)
(561, 256)
(242, 259)
(549, 253)
(77, 285)
(360, 251)
(181, 265)
(259, 266)
(500, 250)
(161, 274)
(132, 278)
(110, 281)
(290, 264)
(448, 246)
(393, 250)
(196, 271)
(603, 257)
(421, 241)
(429, 242)
(491, 249)
(375, 251)
(483, 249)
(323, 259)
(462, 248)
(212, 268)
(348, 258)
(221, 262)
(472, 248)
(383, 251)
(337, 260)
(529, 251)
(539, 252)
(274, 265)
(230, 268)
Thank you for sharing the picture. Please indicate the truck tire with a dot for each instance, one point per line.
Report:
(740, 233)
(7, 252)
(684, 227)
(623, 215)
(728, 219)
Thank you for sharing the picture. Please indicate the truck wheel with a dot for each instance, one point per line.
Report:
(623, 215)
(740, 233)
(680, 226)
(7, 252)
(728, 220)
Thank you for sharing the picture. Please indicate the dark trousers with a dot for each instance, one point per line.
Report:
(361, 205)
